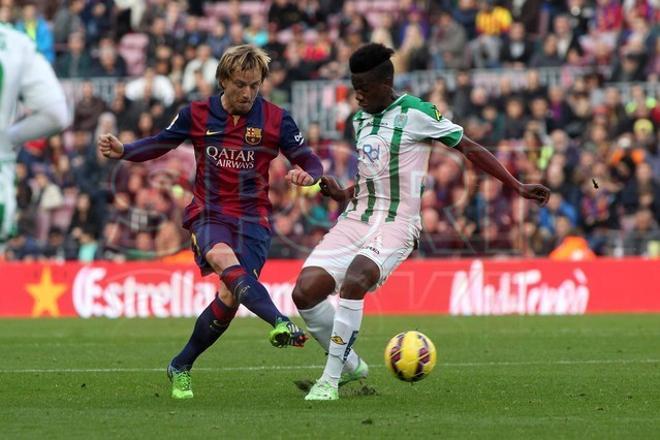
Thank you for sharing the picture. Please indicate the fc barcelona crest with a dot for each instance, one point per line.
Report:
(253, 135)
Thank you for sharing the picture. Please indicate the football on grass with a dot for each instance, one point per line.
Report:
(410, 356)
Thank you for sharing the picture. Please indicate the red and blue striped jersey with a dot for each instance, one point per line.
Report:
(233, 156)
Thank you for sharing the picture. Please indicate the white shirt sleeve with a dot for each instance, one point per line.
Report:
(39, 85)
(42, 94)
(423, 126)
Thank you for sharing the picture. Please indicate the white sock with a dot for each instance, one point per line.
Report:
(319, 320)
(344, 333)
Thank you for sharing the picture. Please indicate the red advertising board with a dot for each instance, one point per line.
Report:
(457, 287)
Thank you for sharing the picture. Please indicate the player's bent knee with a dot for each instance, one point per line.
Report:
(312, 286)
(220, 257)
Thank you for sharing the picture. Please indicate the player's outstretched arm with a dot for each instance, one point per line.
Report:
(330, 188)
(485, 160)
(150, 147)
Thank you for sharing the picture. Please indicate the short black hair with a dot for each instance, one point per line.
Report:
(372, 56)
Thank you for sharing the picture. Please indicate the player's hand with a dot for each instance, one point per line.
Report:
(536, 192)
(299, 177)
(110, 146)
(330, 188)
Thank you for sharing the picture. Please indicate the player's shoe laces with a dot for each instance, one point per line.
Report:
(181, 383)
(361, 372)
(287, 333)
(322, 390)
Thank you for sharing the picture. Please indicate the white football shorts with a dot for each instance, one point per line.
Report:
(386, 244)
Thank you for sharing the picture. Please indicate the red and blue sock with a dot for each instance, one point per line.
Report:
(210, 325)
(252, 294)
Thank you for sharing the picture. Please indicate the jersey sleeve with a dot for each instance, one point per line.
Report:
(294, 148)
(179, 128)
(41, 93)
(427, 123)
(155, 146)
(39, 85)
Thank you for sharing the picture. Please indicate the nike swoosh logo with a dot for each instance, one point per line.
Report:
(211, 133)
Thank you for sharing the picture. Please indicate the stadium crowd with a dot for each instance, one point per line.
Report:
(598, 152)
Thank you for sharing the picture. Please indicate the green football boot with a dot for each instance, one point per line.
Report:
(361, 372)
(287, 333)
(322, 390)
(181, 383)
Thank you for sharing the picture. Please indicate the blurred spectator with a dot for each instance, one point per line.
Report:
(256, 33)
(285, 13)
(88, 248)
(156, 9)
(517, 49)
(218, 40)
(35, 26)
(67, 21)
(97, 18)
(75, 62)
(566, 39)
(529, 13)
(644, 238)
(203, 63)
(556, 207)
(491, 23)
(413, 53)
(382, 32)
(109, 64)
(88, 109)
(22, 246)
(55, 247)
(549, 55)
(158, 36)
(465, 13)
(354, 27)
(47, 197)
(642, 192)
(150, 86)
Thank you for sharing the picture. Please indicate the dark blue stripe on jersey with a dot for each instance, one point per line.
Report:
(253, 183)
(248, 178)
(216, 122)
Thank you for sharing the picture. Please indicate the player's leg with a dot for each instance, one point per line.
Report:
(361, 276)
(379, 256)
(243, 284)
(239, 272)
(210, 325)
(322, 272)
(237, 259)
(310, 294)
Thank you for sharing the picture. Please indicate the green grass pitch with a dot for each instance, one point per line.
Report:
(506, 377)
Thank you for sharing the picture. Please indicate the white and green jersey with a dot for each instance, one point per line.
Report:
(393, 149)
(24, 75)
